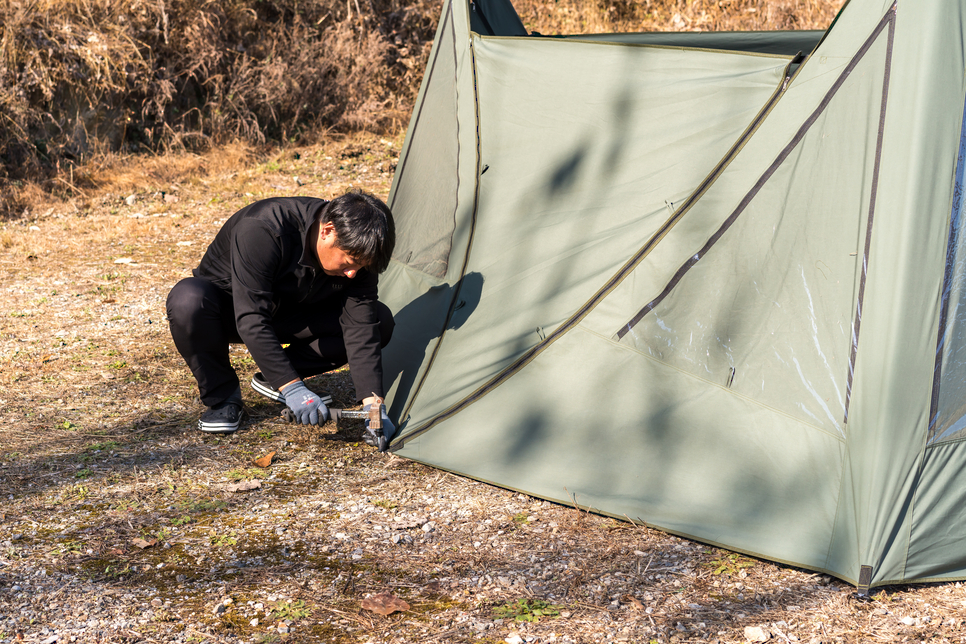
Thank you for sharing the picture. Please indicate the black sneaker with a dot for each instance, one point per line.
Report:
(261, 385)
(221, 419)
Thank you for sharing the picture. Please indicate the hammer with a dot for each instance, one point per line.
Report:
(374, 416)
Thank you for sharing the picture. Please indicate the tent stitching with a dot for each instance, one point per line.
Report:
(857, 322)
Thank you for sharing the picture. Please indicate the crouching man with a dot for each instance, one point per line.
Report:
(296, 271)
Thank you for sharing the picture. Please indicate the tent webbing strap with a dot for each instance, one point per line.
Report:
(609, 286)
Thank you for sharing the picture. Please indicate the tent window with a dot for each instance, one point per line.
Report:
(766, 307)
(947, 420)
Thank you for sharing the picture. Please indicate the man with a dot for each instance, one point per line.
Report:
(297, 271)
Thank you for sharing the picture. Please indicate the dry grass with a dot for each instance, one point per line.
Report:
(83, 80)
(621, 16)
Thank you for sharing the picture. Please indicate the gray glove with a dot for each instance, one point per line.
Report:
(307, 407)
(388, 430)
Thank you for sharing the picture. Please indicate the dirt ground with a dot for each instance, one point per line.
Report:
(122, 523)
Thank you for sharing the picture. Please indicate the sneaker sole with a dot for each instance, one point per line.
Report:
(263, 389)
(260, 387)
(218, 428)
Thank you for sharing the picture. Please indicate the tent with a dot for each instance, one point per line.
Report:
(713, 283)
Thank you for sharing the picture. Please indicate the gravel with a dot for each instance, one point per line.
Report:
(120, 523)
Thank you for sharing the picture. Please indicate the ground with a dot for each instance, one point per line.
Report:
(123, 523)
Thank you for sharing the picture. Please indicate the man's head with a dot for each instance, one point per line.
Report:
(356, 231)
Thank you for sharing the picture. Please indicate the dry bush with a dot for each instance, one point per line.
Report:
(82, 80)
(79, 78)
(624, 16)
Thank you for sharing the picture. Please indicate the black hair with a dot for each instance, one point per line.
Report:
(363, 228)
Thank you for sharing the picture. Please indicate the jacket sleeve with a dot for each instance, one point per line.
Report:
(363, 341)
(256, 257)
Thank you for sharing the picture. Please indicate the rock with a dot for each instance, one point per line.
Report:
(131, 200)
(254, 622)
(756, 634)
(908, 621)
(156, 602)
(513, 638)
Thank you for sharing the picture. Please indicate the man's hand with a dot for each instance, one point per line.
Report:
(306, 405)
(388, 429)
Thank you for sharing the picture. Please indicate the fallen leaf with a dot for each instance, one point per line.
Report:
(123, 260)
(634, 602)
(244, 486)
(384, 604)
(143, 543)
(432, 588)
(266, 460)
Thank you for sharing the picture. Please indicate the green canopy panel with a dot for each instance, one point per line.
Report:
(711, 282)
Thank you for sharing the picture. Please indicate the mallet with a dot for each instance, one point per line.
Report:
(374, 416)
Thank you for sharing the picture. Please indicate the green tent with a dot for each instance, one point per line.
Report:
(709, 282)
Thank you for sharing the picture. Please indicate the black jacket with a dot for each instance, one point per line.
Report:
(261, 256)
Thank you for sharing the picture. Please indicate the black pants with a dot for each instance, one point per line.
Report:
(202, 321)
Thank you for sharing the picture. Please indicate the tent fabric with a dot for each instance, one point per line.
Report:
(707, 282)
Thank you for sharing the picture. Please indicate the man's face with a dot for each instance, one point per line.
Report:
(333, 259)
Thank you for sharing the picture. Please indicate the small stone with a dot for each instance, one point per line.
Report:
(756, 634)
(513, 638)
(157, 603)
(428, 527)
(220, 609)
(131, 200)
(282, 627)
(254, 622)
(908, 621)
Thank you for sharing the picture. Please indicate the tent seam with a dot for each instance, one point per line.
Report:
(466, 257)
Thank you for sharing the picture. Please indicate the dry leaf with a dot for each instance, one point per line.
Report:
(143, 543)
(244, 486)
(634, 602)
(384, 604)
(266, 460)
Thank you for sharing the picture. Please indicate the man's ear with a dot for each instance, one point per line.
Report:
(326, 229)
